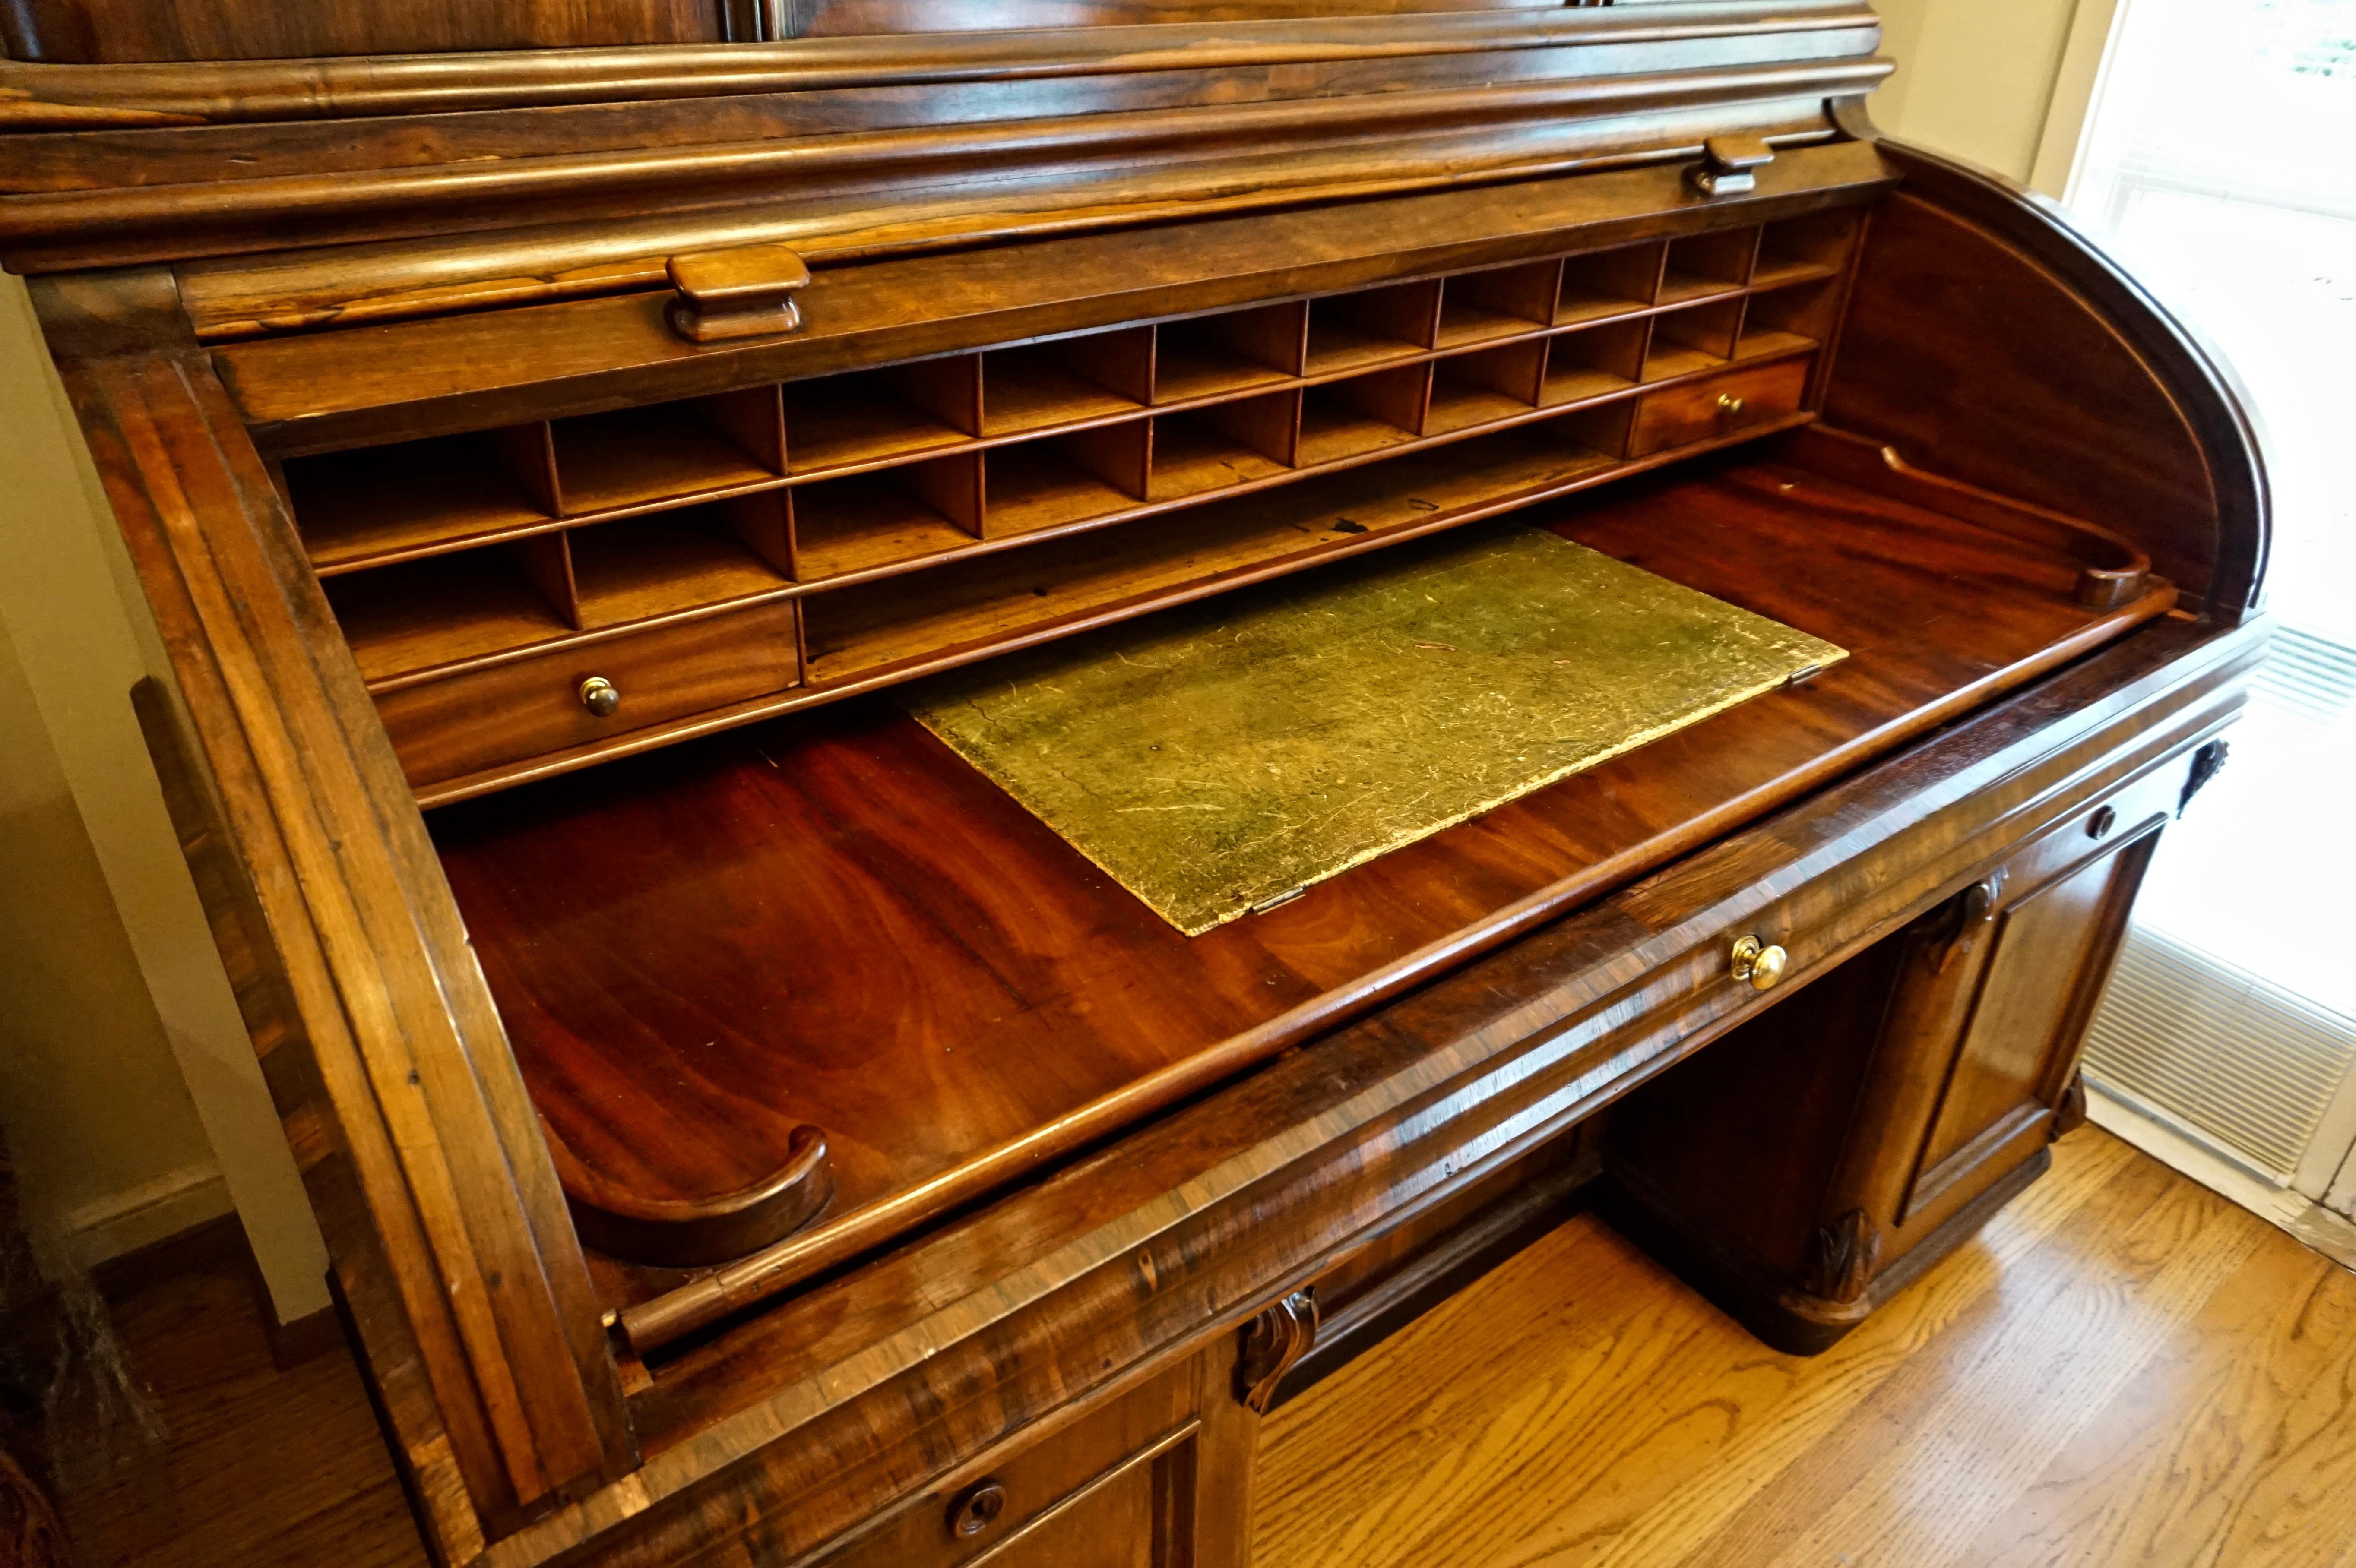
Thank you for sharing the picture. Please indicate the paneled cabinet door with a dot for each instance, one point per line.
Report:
(1820, 1155)
(1979, 1045)
(1160, 1477)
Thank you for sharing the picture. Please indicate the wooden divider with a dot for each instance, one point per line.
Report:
(464, 550)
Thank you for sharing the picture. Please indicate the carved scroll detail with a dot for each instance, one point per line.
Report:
(2071, 1113)
(2207, 764)
(1975, 912)
(1847, 1251)
(1274, 1342)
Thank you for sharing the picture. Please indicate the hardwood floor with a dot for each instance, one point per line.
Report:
(259, 1469)
(2124, 1369)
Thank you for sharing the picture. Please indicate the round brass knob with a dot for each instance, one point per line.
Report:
(977, 1509)
(1760, 965)
(1729, 406)
(600, 697)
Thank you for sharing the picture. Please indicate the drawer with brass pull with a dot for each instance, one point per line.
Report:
(1123, 1475)
(1720, 405)
(447, 729)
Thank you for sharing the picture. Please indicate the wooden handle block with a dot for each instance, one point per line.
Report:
(1730, 163)
(744, 292)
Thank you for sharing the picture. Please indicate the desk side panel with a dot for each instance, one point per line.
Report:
(399, 1096)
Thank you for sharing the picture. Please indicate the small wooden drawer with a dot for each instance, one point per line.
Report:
(447, 729)
(1721, 405)
(1083, 1495)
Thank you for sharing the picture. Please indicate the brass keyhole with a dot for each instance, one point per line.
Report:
(976, 1511)
(600, 697)
(1758, 964)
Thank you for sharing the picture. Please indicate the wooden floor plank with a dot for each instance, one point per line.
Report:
(1953, 1439)
(257, 1467)
(1671, 1419)
(2115, 1339)
(1698, 1510)
(2178, 1470)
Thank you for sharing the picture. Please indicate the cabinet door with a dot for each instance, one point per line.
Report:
(1821, 1155)
(2056, 919)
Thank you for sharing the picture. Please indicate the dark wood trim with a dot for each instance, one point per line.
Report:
(203, 1248)
(475, 371)
(1451, 1265)
(199, 1249)
(384, 1052)
(74, 97)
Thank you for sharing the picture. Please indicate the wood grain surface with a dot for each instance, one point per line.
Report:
(823, 923)
(2123, 1369)
(257, 1466)
(985, 938)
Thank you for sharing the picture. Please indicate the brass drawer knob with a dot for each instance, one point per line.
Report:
(600, 697)
(1760, 965)
(977, 1509)
(1729, 407)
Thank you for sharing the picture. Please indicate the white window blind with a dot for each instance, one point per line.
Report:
(2215, 167)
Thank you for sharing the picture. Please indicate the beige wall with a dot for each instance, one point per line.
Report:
(2003, 84)
(127, 1085)
(97, 1116)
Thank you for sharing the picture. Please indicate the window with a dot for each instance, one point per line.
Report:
(2214, 167)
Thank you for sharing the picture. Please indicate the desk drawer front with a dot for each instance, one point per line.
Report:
(1721, 405)
(1122, 1488)
(447, 729)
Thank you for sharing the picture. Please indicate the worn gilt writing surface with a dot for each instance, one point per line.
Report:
(1220, 756)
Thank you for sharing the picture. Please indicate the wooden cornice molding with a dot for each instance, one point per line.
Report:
(35, 97)
(294, 195)
(345, 285)
(66, 230)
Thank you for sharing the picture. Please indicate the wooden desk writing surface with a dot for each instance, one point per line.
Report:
(743, 1133)
(761, 859)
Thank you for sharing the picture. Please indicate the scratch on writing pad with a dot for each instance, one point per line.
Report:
(1218, 756)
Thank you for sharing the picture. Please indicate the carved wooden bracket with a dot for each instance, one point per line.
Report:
(1975, 912)
(2207, 764)
(1272, 1343)
(1847, 1251)
(2071, 1113)
(744, 292)
(700, 1231)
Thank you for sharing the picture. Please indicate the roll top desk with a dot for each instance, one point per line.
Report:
(546, 435)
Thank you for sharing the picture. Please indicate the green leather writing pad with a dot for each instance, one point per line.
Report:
(1217, 757)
